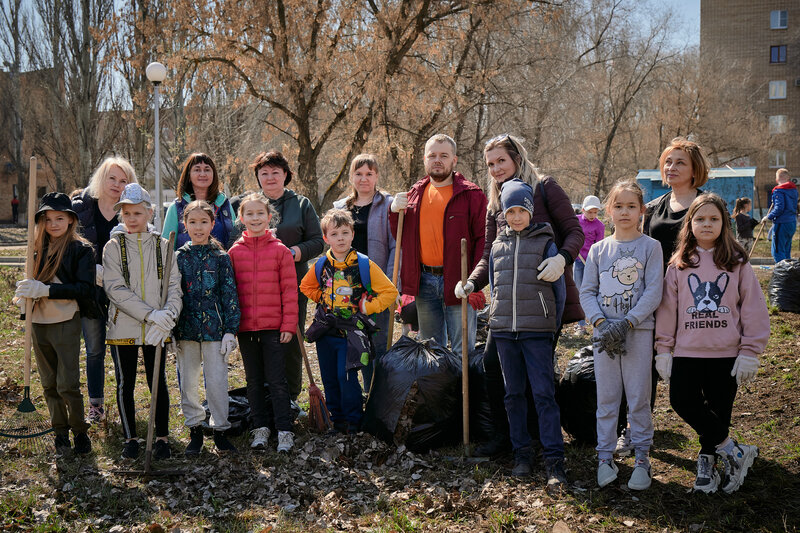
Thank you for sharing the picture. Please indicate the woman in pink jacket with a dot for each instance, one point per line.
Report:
(267, 287)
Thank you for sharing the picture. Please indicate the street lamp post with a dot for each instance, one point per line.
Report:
(156, 73)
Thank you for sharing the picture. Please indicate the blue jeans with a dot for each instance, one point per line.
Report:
(440, 321)
(94, 336)
(342, 389)
(577, 275)
(379, 340)
(532, 359)
(782, 240)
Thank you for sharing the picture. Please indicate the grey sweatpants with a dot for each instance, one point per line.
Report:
(631, 373)
(192, 358)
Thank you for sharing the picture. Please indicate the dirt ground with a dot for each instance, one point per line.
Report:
(357, 483)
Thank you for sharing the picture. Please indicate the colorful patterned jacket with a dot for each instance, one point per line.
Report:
(210, 301)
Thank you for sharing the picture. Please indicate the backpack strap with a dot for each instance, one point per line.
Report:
(123, 253)
(318, 266)
(363, 272)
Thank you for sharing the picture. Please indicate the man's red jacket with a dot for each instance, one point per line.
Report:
(464, 217)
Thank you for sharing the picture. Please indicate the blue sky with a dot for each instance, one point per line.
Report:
(689, 11)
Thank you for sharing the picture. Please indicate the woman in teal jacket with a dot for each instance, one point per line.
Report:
(199, 181)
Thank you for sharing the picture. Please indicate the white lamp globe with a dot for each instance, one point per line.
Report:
(156, 72)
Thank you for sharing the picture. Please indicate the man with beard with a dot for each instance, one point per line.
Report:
(440, 210)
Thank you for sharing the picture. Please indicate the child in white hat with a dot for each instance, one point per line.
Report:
(593, 230)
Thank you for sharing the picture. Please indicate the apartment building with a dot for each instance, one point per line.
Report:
(762, 36)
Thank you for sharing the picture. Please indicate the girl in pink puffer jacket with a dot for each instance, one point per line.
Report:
(267, 287)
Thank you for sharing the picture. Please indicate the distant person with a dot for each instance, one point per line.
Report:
(593, 231)
(708, 347)
(744, 223)
(15, 210)
(783, 215)
(440, 210)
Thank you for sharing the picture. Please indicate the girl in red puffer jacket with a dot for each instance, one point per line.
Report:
(267, 287)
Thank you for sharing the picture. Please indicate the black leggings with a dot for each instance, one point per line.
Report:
(126, 361)
(702, 392)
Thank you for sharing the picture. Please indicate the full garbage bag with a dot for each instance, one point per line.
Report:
(784, 286)
(416, 396)
(576, 394)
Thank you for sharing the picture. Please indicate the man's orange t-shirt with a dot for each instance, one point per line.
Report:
(431, 223)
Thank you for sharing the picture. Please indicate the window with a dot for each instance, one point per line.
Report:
(777, 124)
(778, 20)
(777, 54)
(777, 89)
(777, 158)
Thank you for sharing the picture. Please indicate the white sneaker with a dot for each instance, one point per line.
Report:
(707, 479)
(260, 438)
(641, 477)
(285, 441)
(606, 472)
(737, 461)
(624, 446)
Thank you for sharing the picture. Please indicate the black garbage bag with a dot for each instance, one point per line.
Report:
(576, 394)
(784, 286)
(481, 427)
(239, 412)
(416, 396)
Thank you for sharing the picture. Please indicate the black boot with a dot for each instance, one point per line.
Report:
(196, 443)
(556, 475)
(222, 443)
(497, 445)
(522, 462)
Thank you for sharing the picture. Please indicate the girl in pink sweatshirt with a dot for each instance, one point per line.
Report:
(705, 347)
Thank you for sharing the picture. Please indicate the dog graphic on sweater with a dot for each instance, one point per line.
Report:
(708, 294)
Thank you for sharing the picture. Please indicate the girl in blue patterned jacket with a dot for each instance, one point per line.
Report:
(207, 326)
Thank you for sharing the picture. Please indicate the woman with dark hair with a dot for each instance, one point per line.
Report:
(199, 181)
(506, 159)
(373, 236)
(298, 228)
(94, 207)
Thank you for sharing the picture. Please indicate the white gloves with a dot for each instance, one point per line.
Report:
(744, 368)
(400, 202)
(765, 220)
(227, 345)
(362, 305)
(462, 291)
(32, 288)
(98, 275)
(552, 268)
(162, 318)
(156, 336)
(664, 366)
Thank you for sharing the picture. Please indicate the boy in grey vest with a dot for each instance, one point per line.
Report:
(525, 314)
